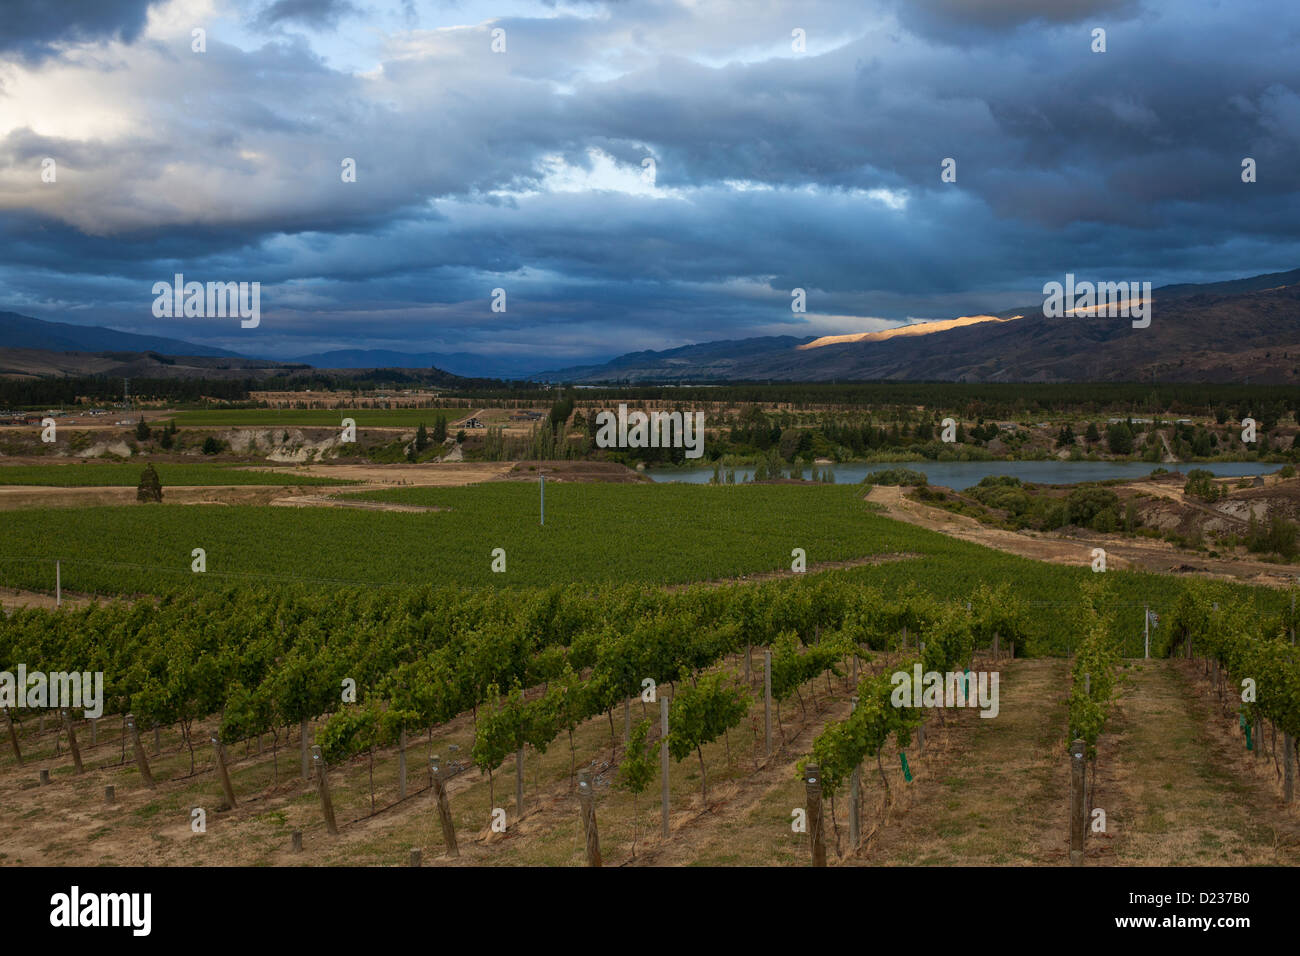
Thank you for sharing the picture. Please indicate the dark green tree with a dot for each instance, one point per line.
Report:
(150, 488)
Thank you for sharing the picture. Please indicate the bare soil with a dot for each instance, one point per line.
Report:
(1003, 798)
(1122, 552)
(606, 471)
(1187, 792)
(14, 497)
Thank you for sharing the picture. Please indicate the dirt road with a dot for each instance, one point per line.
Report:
(1144, 554)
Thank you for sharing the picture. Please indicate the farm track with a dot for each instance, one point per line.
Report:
(1140, 554)
(327, 501)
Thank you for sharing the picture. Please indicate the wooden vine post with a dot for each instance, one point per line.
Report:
(401, 764)
(1288, 768)
(586, 803)
(323, 785)
(812, 781)
(855, 800)
(1078, 811)
(767, 700)
(227, 788)
(519, 783)
(13, 737)
(444, 806)
(141, 760)
(72, 741)
(663, 759)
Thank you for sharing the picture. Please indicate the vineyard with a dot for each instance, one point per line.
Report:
(318, 417)
(683, 534)
(545, 684)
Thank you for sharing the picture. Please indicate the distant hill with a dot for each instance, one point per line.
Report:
(724, 359)
(1245, 330)
(44, 363)
(460, 363)
(24, 332)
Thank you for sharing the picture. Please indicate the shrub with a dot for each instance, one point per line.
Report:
(896, 476)
(150, 488)
(1086, 504)
(1277, 537)
(1200, 484)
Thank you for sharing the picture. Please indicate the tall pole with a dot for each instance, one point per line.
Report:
(767, 700)
(663, 759)
(1146, 629)
(855, 800)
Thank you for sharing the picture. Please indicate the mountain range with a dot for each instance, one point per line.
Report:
(1242, 330)
(23, 332)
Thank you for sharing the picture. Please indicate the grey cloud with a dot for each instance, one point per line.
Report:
(33, 28)
(1124, 164)
(318, 14)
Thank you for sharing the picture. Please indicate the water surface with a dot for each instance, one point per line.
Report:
(964, 474)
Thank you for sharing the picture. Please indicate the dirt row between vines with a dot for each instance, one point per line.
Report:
(1172, 775)
(1185, 789)
(747, 819)
(1173, 778)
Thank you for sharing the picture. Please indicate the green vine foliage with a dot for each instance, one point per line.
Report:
(843, 746)
(1093, 675)
(640, 761)
(701, 714)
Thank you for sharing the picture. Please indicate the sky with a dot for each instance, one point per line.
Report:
(635, 174)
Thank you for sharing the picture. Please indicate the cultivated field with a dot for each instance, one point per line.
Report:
(546, 659)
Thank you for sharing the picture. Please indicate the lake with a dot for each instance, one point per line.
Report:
(964, 474)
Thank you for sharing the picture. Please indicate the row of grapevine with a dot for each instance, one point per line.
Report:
(1257, 654)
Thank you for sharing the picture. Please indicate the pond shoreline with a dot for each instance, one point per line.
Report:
(960, 475)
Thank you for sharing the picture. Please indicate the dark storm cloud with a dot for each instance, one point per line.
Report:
(32, 28)
(952, 19)
(318, 14)
(773, 171)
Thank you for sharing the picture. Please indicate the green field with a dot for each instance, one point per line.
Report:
(595, 534)
(317, 417)
(117, 474)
